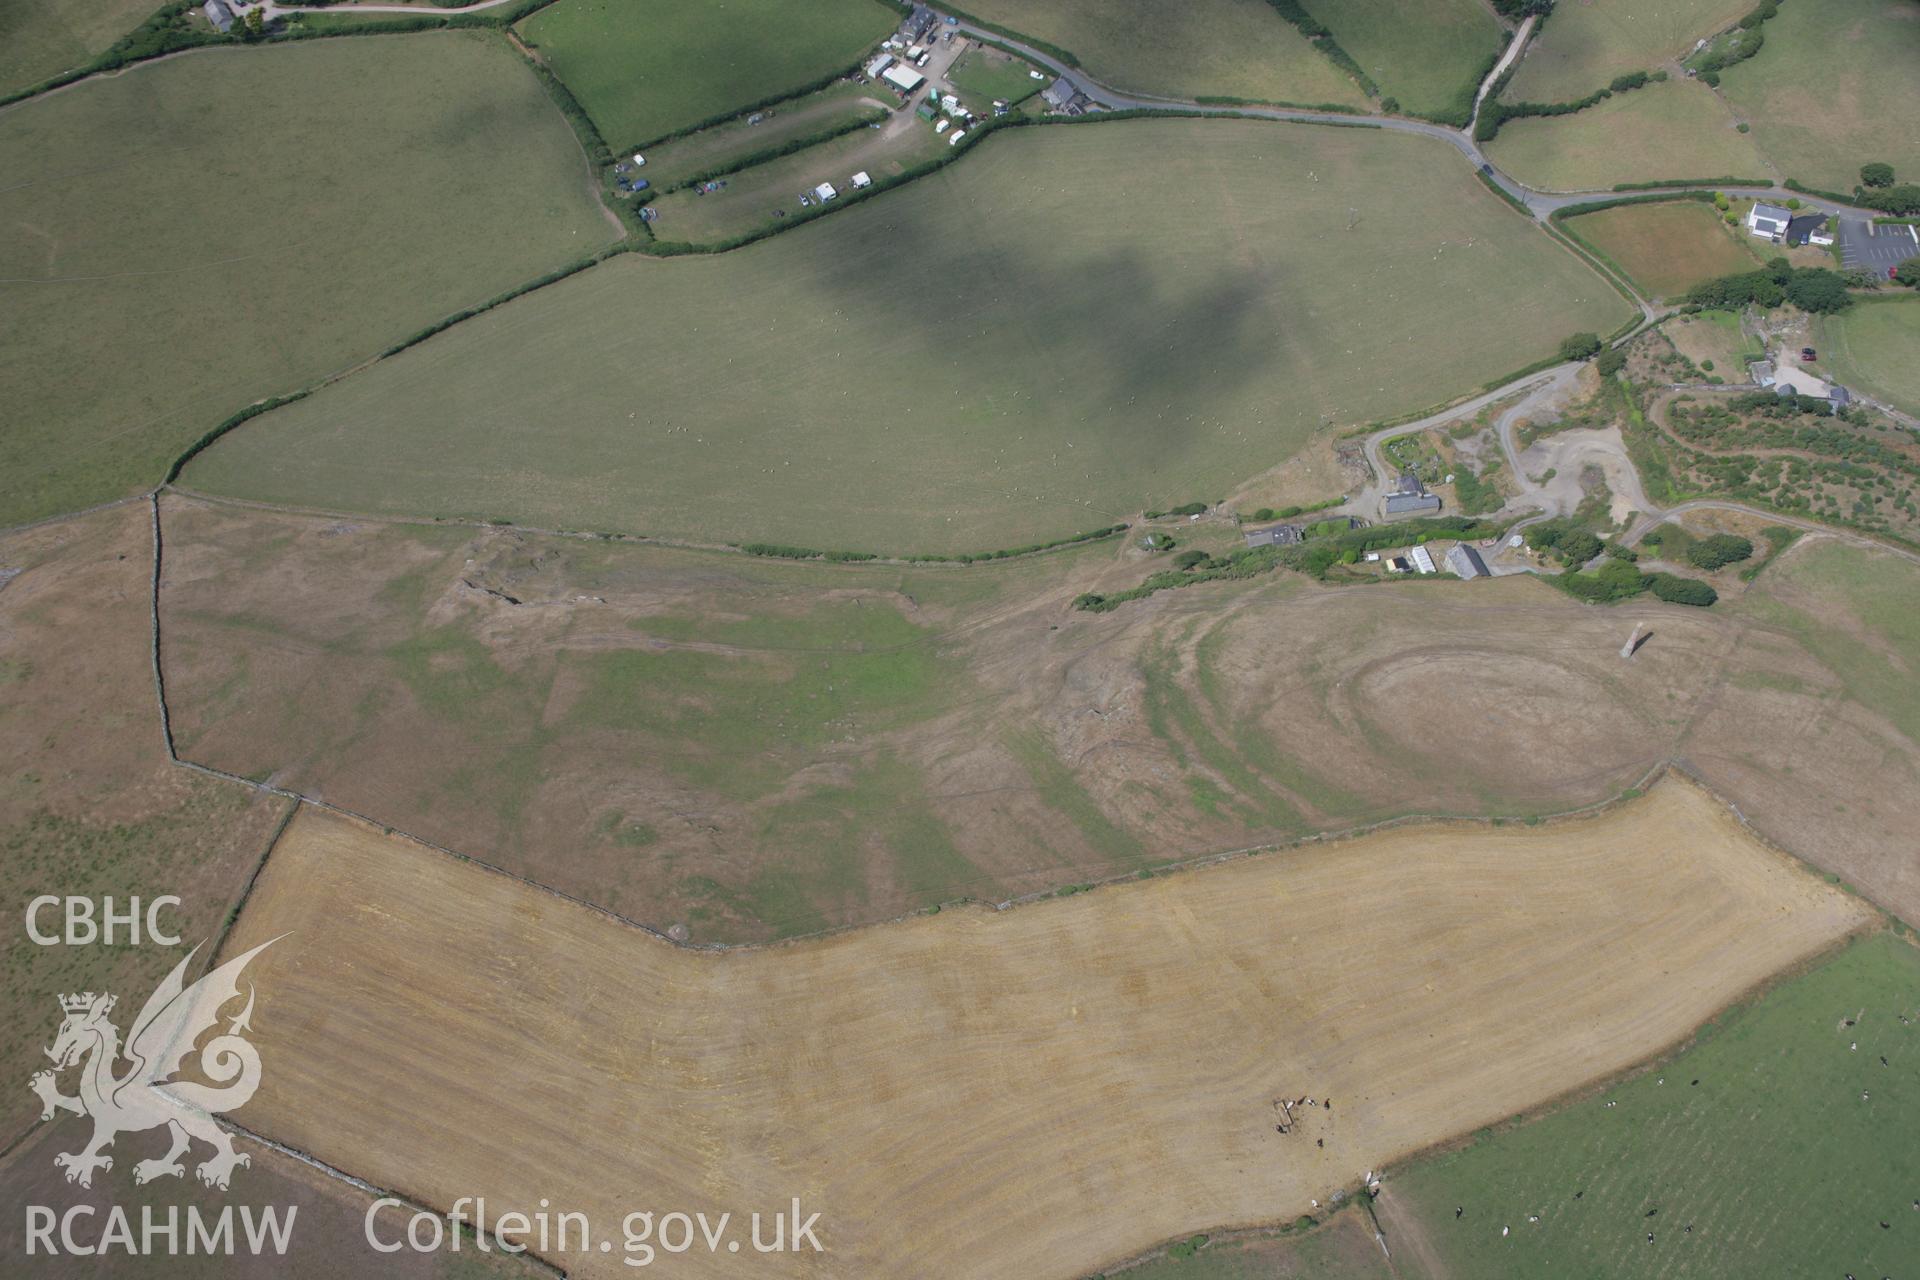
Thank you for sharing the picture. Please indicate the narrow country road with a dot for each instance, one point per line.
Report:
(1539, 203)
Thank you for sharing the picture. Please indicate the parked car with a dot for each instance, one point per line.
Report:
(1806, 353)
(806, 201)
(641, 184)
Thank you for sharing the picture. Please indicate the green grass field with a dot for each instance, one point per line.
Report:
(40, 39)
(1429, 55)
(643, 69)
(1220, 48)
(1586, 44)
(1860, 616)
(1342, 1249)
(1678, 129)
(748, 201)
(1666, 248)
(982, 76)
(151, 289)
(1835, 86)
(1876, 349)
(725, 146)
(1075, 323)
(1715, 336)
(1784, 1158)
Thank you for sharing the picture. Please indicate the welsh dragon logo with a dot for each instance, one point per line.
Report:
(149, 1093)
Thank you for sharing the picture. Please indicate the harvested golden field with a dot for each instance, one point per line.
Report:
(978, 1093)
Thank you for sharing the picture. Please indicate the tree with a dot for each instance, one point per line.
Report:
(1677, 590)
(1877, 174)
(1611, 361)
(1817, 289)
(1580, 346)
(1189, 559)
(1718, 551)
(1908, 273)
(1578, 547)
(1902, 200)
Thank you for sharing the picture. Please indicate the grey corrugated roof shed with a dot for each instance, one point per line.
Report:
(1466, 562)
(218, 14)
(1401, 503)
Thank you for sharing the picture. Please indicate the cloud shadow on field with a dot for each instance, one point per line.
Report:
(1135, 335)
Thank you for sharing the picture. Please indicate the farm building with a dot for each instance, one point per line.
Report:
(1808, 228)
(1278, 535)
(1398, 564)
(1065, 96)
(1409, 497)
(1466, 562)
(1769, 221)
(824, 192)
(862, 179)
(219, 15)
(879, 65)
(902, 79)
(1421, 560)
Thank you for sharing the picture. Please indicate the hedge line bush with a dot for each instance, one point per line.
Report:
(1744, 46)
(1322, 39)
(1814, 289)
(785, 552)
(774, 152)
(1494, 113)
(1661, 183)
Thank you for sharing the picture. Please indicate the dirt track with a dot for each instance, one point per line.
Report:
(1030, 1092)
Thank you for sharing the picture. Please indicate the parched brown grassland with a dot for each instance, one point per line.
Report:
(759, 748)
(89, 804)
(986, 1093)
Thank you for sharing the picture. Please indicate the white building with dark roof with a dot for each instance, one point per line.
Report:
(1769, 221)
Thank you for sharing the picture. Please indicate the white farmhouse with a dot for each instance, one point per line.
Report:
(1768, 221)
